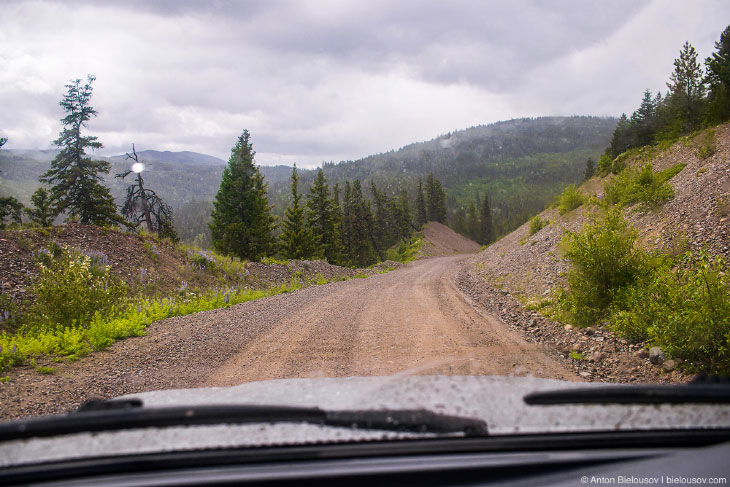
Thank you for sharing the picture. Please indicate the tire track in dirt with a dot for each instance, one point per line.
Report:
(414, 320)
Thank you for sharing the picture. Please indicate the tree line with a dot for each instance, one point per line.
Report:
(697, 97)
(338, 223)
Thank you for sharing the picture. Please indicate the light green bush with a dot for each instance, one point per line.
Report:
(406, 251)
(641, 185)
(685, 309)
(570, 199)
(604, 260)
(71, 288)
(536, 224)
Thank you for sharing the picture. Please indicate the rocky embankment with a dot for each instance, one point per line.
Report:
(522, 268)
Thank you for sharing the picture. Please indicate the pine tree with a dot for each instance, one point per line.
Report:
(642, 126)
(421, 216)
(460, 225)
(590, 169)
(472, 223)
(620, 141)
(362, 242)
(404, 213)
(718, 78)
(346, 226)
(296, 240)
(76, 179)
(241, 222)
(322, 218)
(485, 220)
(435, 200)
(44, 211)
(11, 211)
(687, 89)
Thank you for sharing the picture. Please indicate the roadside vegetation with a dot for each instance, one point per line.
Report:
(79, 306)
(570, 199)
(680, 303)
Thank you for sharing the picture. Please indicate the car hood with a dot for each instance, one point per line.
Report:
(496, 400)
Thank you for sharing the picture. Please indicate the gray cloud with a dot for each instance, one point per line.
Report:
(331, 80)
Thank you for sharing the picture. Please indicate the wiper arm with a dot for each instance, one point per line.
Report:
(636, 394)
(121, 415)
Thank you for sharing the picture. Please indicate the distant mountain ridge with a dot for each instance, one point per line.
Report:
(184, 157)
(522, 164)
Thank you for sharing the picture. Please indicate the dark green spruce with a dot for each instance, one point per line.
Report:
(323, 219)
(241, 222)
(296, 240)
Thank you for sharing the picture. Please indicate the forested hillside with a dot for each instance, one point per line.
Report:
(521, 164)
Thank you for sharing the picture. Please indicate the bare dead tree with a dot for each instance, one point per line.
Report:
(142, 205)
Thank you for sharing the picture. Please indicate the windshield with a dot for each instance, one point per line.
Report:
(358, 206)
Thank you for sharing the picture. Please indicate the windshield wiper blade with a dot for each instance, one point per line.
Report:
(121, 415)
(634, 394)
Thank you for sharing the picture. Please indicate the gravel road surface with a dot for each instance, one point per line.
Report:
(410, 321)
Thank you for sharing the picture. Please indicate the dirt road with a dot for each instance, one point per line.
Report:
(413, 321)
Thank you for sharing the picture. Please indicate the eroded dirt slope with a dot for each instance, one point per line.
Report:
(441, 240)
(519, 267)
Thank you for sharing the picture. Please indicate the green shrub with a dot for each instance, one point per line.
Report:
(685, 309)
(72, 288)
(570, 199)
(667, 174)
(406, 251)
(604, 260)
(536, 224)
(604, 164)
(619, 164)
(576, 355)
(641, 185)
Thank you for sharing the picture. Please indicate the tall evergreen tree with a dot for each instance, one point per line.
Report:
(11, 211)
(296, 240)
(472, 223)
(322, 218)
(363, 247)
(241, 222)
(718, 78)
(346, 225)
(435, 200)
(44, 210)
(642, 125)
(485, 222)
(621, 139)
(421, 216)
(76, 179)
(687, 89)
(459, 222)
(405, 218)
(590, 169)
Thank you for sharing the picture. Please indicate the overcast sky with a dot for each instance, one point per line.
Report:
(332, 80)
